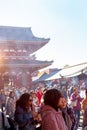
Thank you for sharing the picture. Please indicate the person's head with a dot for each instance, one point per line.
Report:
(52, 97)
(62, 103)
(63, 87)
(75, 90)
(32, 93)
(11, 94)
(25, 101)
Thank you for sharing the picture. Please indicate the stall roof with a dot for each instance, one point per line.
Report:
(70, 71)
(46, 75)
(73, 70)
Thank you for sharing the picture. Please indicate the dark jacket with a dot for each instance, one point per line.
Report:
(69, 117)
(24, 119)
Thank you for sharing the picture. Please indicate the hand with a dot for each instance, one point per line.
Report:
(38, 117)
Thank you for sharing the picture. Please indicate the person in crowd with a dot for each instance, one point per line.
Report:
(84, 102)
(64, 92)
(68, 114)
(10, 107)
(35, 102)
(39, 94)
(3, 99)
(70, 89)
(52, 119)
(17, 93)
(6, 123)
(84, 125)
(35, 106)
(75, 97)
(84, 110)
(23, 112)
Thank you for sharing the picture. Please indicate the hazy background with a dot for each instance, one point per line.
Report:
(63, 21)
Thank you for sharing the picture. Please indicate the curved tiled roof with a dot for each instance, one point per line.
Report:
(33, 64)
(24, 62)
(18, 34)
(21, 36)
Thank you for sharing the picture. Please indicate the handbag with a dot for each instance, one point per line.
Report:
(13, 123)
(73, 103)
(33, 126)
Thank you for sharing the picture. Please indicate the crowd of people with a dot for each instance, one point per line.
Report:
(44, 108)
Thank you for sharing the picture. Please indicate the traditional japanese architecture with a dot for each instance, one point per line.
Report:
(16, 62)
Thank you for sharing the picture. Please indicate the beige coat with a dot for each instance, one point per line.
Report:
(51, 119)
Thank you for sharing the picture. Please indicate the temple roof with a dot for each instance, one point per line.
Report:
(18, 33)
(33, 65)
(21, 36)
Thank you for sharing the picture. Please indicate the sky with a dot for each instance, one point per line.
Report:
(63, 21)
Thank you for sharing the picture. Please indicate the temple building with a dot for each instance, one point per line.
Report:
(17, 44)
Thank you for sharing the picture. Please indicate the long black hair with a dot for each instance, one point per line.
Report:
(23, 100)
(51, 98)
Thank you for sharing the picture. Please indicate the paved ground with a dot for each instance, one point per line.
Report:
(80, 123)
(80, 128)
